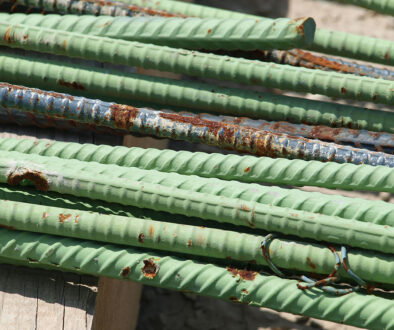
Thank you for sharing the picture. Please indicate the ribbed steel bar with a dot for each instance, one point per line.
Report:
(13, 116)
(189, 62)
(212, 33)
(60, 177)
(226, 167)
(358, 138)
(183, 127)
(179, 238)
(92, 7)
(113, 85)
(381, 6)
(206, 279)
(298, 57)
(325, 41)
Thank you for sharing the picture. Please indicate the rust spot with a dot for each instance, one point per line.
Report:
(150, 231)
(38, 178)
(123, 115)
(243, 274)
(125, 272)
(244, 208)
(141, 238)
(45, 215)
(209, 31)
(64, 217)
(7, 227)
(375, 97)
(386, 56)
(76, 218)
(243, 291)
(189, 243)
(343, 90)
(234, 299)
(247, 169)
(7, 35)
(321, 61)
(73, 85)
(310, 263)
(150, 269)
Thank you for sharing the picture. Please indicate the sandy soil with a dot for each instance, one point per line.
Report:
(163, 309)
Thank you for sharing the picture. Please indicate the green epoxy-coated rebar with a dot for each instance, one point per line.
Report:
(179, 238)
(325, 41)
(206, 279)
(233, 189)
(114, 85)
(213, 33)
(58, 176)
(194, 63)
(227, 167)
(381, 6)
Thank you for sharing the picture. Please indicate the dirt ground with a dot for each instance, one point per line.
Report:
(163, 309)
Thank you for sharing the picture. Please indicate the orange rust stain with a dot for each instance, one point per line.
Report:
(125, 271)
(141, 238)
(73, 85)
(234, 299)
(209, 31)
(38, 178)
(63, 217)
(244, 208)
(243, 274)
(323, 62)
(76, 218)
(150, 269)
(150, 231)
(123, 115)
(189, 243)
(386, 56)
(343, 90)
(7, 35)
(310, 263)
(244, 291)
(247, 169)
(45, 215)
(7, 227)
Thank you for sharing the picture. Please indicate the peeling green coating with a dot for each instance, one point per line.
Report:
(240, 70)
(115, 85)
(180, 238)
(206, 279)
(325, 41)
(54, 174)
(228, 167)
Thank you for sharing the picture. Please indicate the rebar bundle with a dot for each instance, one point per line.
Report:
(214, 224)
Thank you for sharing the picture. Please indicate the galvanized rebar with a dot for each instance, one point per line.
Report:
(58, 176)
(358, 138)
(227, 167)
(179, 238)
(189, 62)
(301, 58)
(183, 127)
(381, 6)
(205, 279)
(325, 41)
(113, 85)
(92, 7)
(377, 212)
